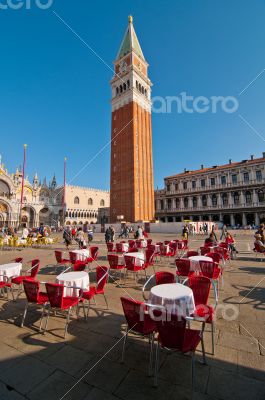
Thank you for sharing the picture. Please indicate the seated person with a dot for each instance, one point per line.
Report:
(231, 242)
(210, 241)
(259, 242)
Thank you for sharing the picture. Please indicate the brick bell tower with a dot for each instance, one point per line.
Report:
(132, 183)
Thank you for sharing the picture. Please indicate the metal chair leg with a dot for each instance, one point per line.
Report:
(192, 374)
(156, 365)
(67, 322)
(24, 315)
(47, 319)
(124, 343)
(42, 314)
(213, 332)
(106, 301)
(151, 355)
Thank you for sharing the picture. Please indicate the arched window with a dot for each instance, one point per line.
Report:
(120, 88)
(145, 92)
(248, 197)
(214, 200)
(177, 203)
(225, 199)
(140, 87)
(102, 203)
(117, 90)
(76, 200)
(236, 198)
(261, 196)
(142, 90)
(204, 201)
(66, 214)
(136, 84)
(194, 202)
(186, 202)
(124, 86)
(128, 83)
(90, 202)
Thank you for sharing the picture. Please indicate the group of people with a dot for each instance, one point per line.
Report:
(260, 238)
(77, 235)
(140, 233)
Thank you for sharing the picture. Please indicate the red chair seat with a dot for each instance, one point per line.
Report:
(18, 280)
(204, 311)
(69, 301)
(4, 284)
(42, 298)
(90, 293)
(191, 340)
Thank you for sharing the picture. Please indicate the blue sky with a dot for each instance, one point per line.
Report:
(55, 93)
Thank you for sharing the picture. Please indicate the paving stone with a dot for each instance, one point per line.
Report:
(8, 357)
(97, 394)
(57, 385)
(69, 359)
(26, 374)
(229, 386)
(224, 358)
(238, 342)
(8, 393)
(251, 365)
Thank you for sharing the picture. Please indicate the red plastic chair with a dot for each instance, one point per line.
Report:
(73, 257)
(34, 297)
(201, 286)
(114, 263)
(102, 273)
(59, 258)
(161, 278)
(183, 268)
(58, 301)
(204, 250)
(191, 253)
(93, 254)
(216, 257)
(18, 280)
(79, 266)
(174, 335)
(4, 284)
(111, 247)
(258, 250)
(131, 266)
(186, 244)
(119, 248)
(211, 271)
(18, 260)
(138, 322)
(131, 244)
(149, 259)
(149, 241)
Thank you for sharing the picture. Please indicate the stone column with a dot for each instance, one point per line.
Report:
(173, 202)
(244, 219)
(257, 222)
(232, 220)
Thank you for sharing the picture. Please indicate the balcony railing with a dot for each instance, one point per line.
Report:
(211, 207)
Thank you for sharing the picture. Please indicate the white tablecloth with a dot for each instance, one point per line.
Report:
(10, 270)
(125, 246)
(195, 262)
(80, 279)
(142, 245)
(82, 254)
(175, 297)
(140, 257)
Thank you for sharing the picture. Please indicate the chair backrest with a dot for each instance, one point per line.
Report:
(257, 248)
(172, 332)
(164, 277)
(73, 257)
(149, 256)
(113, 260)
(35, 266)
(94, 252)
(110, 246)
(58, 255)
(216, 257)
(224, 245)
(185, 241)
(79, 266)
(200, 286)
(204, 250)
(134, 250)
(55, 294)
(183, 266)
(32, 289)
(192, 253)
(19, 260)
(149, 241)
(102, 273)
(130, 262)
(132, 312)
(131, 243)
(207, 268)
(166, 241)
(181, 245)
(119, 247)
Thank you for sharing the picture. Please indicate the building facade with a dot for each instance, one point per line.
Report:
(42, 202)
(86, 206)
(131, 186)
(233, 193)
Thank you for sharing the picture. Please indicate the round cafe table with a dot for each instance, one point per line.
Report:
(82, 254)
(195, 262)
(139, 257)
(76, 279)
(175, 297)
(10, 270)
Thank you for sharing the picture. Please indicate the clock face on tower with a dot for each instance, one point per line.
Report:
(122, 67)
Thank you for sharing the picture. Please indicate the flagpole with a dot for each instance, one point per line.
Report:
(64, 190)
(23, 182)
